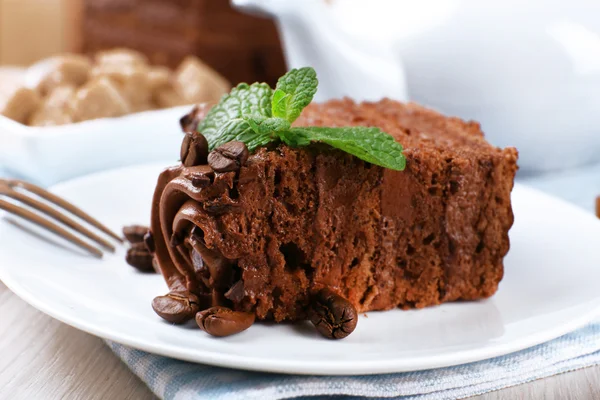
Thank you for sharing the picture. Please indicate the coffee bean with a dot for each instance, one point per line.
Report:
(333, 316)
(194, 149)
(149, 242)
(176, 307)
(135, 233)
(139, 257)
(190, 121)
(221, 321)
(228, 157)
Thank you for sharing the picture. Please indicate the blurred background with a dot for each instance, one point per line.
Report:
(528, 72)
(240, 46)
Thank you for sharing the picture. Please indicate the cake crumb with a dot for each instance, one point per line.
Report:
(598, 206)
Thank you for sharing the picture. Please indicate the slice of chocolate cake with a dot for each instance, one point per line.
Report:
(266, 237)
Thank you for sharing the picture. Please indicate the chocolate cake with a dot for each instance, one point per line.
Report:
(265, 238)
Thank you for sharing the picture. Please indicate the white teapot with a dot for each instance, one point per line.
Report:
(528, 71)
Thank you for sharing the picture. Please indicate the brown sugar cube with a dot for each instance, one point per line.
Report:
(167, 97)
(18, 103)
(50, 117)
(158, 78)
(130, 80)
(59, 97)
(98, 99)
(196, 82)
(121, 56)
(72, 69)
(55, 108)
(598, 206)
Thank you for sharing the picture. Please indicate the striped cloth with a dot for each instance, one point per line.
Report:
(174, 379)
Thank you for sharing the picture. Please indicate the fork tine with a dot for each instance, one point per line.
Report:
(51, 212)
(38, 220)
(63, 204)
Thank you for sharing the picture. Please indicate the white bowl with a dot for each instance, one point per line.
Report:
(46, 155)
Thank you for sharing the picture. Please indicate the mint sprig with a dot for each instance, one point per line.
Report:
(257, 115)
(368, 144)
(225, 121)
(294, 91)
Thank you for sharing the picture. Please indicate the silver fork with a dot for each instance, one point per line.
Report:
(7, 188)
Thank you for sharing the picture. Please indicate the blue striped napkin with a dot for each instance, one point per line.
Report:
(173, 379)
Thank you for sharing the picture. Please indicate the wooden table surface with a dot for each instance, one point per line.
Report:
(41, 358)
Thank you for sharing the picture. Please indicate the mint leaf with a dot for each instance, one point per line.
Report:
(295, 137)
(264, 125)
(239, 129)
(225, 122)
(280, 104)
(294, 91)
(368, 144)
(257, 115)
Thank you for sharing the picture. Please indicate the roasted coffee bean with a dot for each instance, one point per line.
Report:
(333, 316)
(135, 233)
(190, 121)
(221, 321)
(149, 242)
(194, 149)
(228, 157)
(139, 257)
(176, 307)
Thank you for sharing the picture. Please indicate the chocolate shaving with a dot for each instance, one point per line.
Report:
(236, 292)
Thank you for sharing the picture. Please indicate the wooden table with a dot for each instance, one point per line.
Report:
(41, 358)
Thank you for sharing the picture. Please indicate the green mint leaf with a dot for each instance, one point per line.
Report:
(225, 122)
(239, 129)
(368, 144)
(265, 125)
(279, 103)
(295, 137)
(294, 91)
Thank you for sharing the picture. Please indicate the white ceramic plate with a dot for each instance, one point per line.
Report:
(550, 288)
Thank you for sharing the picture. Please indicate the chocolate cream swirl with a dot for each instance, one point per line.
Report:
(184, 224)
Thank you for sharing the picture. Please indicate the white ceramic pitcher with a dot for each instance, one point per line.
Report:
(346, 66)
(529, 71)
